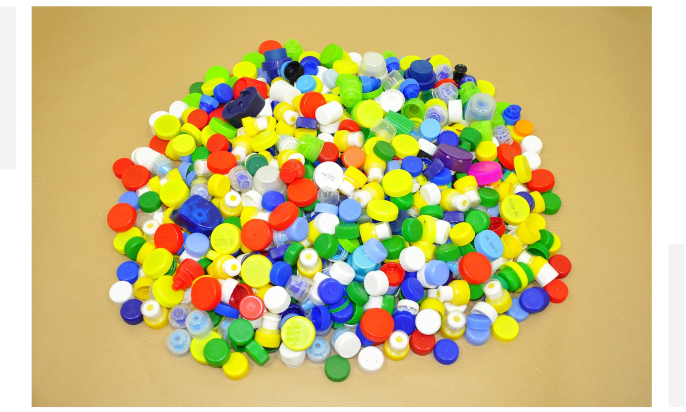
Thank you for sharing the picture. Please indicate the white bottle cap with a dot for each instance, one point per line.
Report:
(456, 320)
(325, 137)
(374, 302)
(330, 129)
(227, 289)
(342, 272)
(493, 289)
(373, 65)
(291, 358)
(408, 305)
(398, 341)
(427, 147)
(370, 360)
(347, 345)
(375, 175)
(432, 293)
(177, 108)
(546, 275)
(151, 309)
(144, 156)
(356, 139)
(362, 196)
(524, 257)
(346, 188)
(266, 109)
(277, 299)
(449, 307)
(314, 294)
(534, 160)
(442, 232)
(240, 152)
(484, 308)
(326, 223)
(232, 199)
(267, 179)
(328, 175)
(356, 57)
(412, 259)
(329, 113)
(262, 214)
(445, 293)
(376, 283)
(308, 258)
(185, 256)
(319, 277)
(252, 198)
(290, 117)
(200, 168)
(150, 227)
(392, 100)
(428, 321)
(383, 231)
(496, 264)
(531, 143)
(232, 267)
(430, 193)
(271, 320)
(120, 292)
(282, 91)
(154, 117)
(454, 111)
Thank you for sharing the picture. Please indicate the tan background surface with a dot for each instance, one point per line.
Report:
(582, 77)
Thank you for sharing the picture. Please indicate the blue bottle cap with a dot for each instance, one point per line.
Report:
(186, 159)
(189, 178)
(375, 250)
(363, 339)
(223, 93)
(330, 291)
(488, 243)
(430, 129)
(392, 63)
(361, 263)
(426, 161)
(409, 88)
(210, 101)
(448, 137)
(512, 114)
(465, 79)
(321, 318)
(303, 122)
(436, 272)
(494, 211)
(516, 312)
(280, 273)
(131, 312)
(446, 351)
(197, 214)
(223, 309)
(274, 103)
(297, 231)
(344, 314)
(410, 275)
(529, 199)
(185, 168)
(276, 253)
(284, 318)
(453, 217)
(310, 64)
(342, 301)
(197, 245)
(349, 210)
(261, 73)
(128, 271)
(477, 337)
(412, 289)
(320, 350)
(293, 308)
(367, 84)
(248, 103)
(326, 208)
(130, 198)
(433, 169)
(329, 78)
(413, 165)
(534, 300)
(275, 54)
(397, 224)
(443, 178)
(271, 200)
(478, 321)
(404, 321)
(392, 165)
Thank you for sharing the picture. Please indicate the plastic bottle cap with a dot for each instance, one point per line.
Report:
(428, 321)
(478, 321)
(121, 217)
(541, 181)
(298, 333)
(237, 367)
(121, 292)
(255, 270)
(505, 328)
(370, 360)
(347, 345)
(561, 264)
(302, 192)
(475, 268)
(422, 344)
(412, 259)
(557, 290)
(337, 368)
(397, 183)
(256, 235)
(251, 307)
(206, 293)
(283, 216)
(514, 209)
(376, 283)
(446, 351)
(382, 210)
(377, 325)
(412, 230)
(330, 291)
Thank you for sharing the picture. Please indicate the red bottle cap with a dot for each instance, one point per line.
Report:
(158, 145)
(218, 143)
(329, 153)
(541, 181)
(394, 272)
(251, 307)
(353, 157)
(506, 155)
(221, 162)
(422, 344)
(440, 82)
(283, 216)
(186, 273)
(310, 102)
(561, 264)
(121, 217)
(198, 118)
(169, 236)
(240, 292)
(216, 113)
(557, 290)
(498, 226)
(121, 165)
(376, 325)
(257, 235)
(291, 170)
(349, 125)
(245, 82)
(302, 192)
(269, 45)
(517, 147)
(206, 293)
(475, 268)
(135, 177)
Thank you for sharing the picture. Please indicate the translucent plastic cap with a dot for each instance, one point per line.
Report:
(199, 324)
(179, 342)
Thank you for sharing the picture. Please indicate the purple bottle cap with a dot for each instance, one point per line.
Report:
(454, 158)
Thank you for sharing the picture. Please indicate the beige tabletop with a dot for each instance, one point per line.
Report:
(582, 77)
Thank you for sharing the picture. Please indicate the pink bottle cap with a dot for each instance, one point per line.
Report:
(486, 172)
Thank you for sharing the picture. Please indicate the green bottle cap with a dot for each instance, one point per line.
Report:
(358, 311)
(426, 96)
(337, 325)
(347, 230)
(349, 244)
(257, 353)
(255, 58)
(497, 120)
(255, 162)
(307, 208)
(341, 307)
(215, 72)
(366, 133)
(234, 220)
(413, 108)
(502, 281)
(330, 54)
(388, 303)
(506, 173)
(412, 229)
(223, 127)
(388, 54)
(394, 246)
(149, 202)
(552, 203)
(478, 219)
(547, 238)
(537, 249)
(271, 350)
(133, 246)
(528, 271)
(404, 202)
(501, 106)
(460, 175)
(216, 319)
(357, 294)
(292, 253)
(433, 211)
(196, 87)
(309, 169)
(193, 99)
(468, 248)
(475, 291)
(344, 78)
(231, 82)
(464, 144)
(471, 135)
(310, 147)
(237, 348)
(403, 124)
(172, 269)
(293, 49)
(373, 94)
(337, 368)
(217, 352)
(326, 245)
(511, 277)
(384, 151)
(241, 332)
(204, 262)
(447, 252)
(489, 196)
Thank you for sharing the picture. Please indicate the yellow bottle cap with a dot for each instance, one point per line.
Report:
(174, 174)
(174, 193)
(298, 333)
(429, 229)
(418, 201)
(184, 144)
(505, 189)
(245, 69)
(308, 53)
(213, 255)
(144, 252)
(395, 356)
(218, 185)
(449, 334)
(514, 209)
(184, 115)
(367, 112)
(217, 201)
(296, 103)
(255, 270)
(357, 176)
(422, 180)
(528, 233)
(319, 86)
(458, 127)
(284, 128)
(164, 294)
(539, 203)
(502, 304)
(264, 140)
(522, 169)
(208, 87)
(166, 215)
(486, 87)
(536, 264)
(434, 102)
(520, 273)
(226, 238)
(537, 220)
(312, 232)
(162, 322)
(405, 146)
(167, 126)
(158, 263)
(397, 183)
(382, 210)
(121, 238)
(170, 153)
(345, 66)
(330, 97)
(433, 303)
(190, 129)
(439, 59)
(154, 184)
(198, 347)
(141, 289)
(486, 151)
(556, 245)
(246, 214)
(366, 232)
(268, 338)
(505, 328)
(427, 248)
(237, 367)
(512, 247)
(462, 234)
(406, 61)
(466, 183)
(463, 292)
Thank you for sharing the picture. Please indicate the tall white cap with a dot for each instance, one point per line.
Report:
(430, 193)
(493, 289)
(398, 341)
(232, 267)
(531, 143)
(546, 275)
(455, 320)
(329, 113)
(484, 308)
(342, 272)
(370, 360)
(347, 345)
(151, 309)
(376, 283)
(282, 91)
(291, 358)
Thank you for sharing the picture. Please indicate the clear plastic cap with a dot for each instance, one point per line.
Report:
(392, 81)
(199, 187)
(199, 324)
(299, 287)
(480, 107)
(223, 328)
(384, 129)
(443, 71)
(177, 316)
(241, 179)
(328, 196)
(502, 134)
(179, 342)
(445, 92)
(319, 352)
(437, 112)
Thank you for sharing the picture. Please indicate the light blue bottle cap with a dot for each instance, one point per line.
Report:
(197, 245)
(132, 199)
(306, 83)
(319, 351)
(186, 159)
(297, 231)
(478, 321)
(375, 250)
(307, 305)
(329, 78)
(436, 272)
(189, 178)
(494, 211)
(516, 311)
(361, 263)
(392, 165)
(349, 210)
(326, 208)
(430, 129)
(477, 337)
(488, 243)
(179, 342)
(184, 168)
